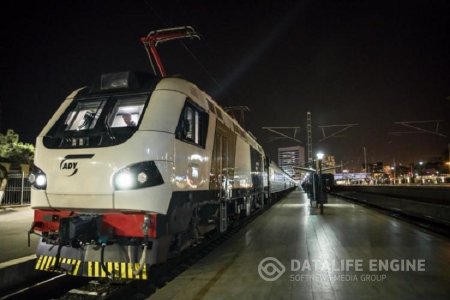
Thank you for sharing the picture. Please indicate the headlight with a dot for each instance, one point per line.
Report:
(136, 176)
(41, 180)
(124, 180)
(142, 177)
(37, 178)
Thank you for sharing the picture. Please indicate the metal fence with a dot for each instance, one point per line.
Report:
(17, 191)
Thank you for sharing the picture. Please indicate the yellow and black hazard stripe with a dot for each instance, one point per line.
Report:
(66, 265)
(117, 270)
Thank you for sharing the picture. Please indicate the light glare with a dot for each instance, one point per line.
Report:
(41, 180)
(124, 180)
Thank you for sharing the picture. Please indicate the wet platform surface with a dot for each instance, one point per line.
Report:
(293, 252)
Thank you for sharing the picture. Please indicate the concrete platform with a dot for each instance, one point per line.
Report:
(293, 252)
(16, 258)
(14, 225)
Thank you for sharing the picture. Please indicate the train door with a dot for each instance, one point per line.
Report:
(220, 181)
(222, 170)
(220, 159)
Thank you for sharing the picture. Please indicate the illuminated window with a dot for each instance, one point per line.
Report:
(84, 116)
(97, 122)
(126, 112)
(193, 125)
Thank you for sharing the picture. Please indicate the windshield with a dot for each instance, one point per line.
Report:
(84, 116)
(126, 112)
(97, 122)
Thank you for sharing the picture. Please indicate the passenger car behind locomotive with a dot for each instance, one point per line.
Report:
(136, 168)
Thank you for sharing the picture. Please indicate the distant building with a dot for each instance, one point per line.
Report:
(377, 167)
(290, 157)
(328, 161)
(351, 178)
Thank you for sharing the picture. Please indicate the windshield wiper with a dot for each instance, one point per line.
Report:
(109, 132)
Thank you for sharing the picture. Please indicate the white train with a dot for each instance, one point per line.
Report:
(134, 169)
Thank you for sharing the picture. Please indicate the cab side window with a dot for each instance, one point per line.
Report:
(193, 125)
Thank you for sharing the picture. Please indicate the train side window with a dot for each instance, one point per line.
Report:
(193, 125)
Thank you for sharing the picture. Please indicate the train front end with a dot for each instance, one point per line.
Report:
(101, 181)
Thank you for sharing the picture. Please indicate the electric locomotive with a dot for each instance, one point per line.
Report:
(136, 168)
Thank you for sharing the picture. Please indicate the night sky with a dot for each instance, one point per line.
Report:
(370, 63)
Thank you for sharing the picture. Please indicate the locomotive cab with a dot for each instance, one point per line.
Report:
(101, 180)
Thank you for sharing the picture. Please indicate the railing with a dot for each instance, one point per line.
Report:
(17, 191)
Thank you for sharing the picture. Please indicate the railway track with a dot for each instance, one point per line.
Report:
(426, 223)
(48, 288)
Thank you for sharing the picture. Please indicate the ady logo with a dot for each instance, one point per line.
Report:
(70, 168)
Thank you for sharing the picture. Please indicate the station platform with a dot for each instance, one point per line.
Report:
(293, 252)
(16, 258)
(14, 225)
